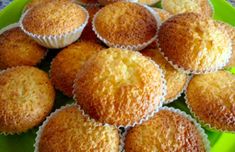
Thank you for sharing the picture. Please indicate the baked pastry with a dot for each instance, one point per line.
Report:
(106, 2)
(131, 26)
(68, 129)
(168, 130)
(88, 34)
(175, 80)
(26, 98)
(18, 49)
(231, 32)
(55, 24)
(203, 7)
(115, 87)
(68, 62)
(211, 98)
(194, 44)
(148, 2)
(33, 3)
(89, 3)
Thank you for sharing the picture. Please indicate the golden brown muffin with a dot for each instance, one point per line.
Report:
(114, 86)
(194, 43)
(231, 32)
(175, 80)
(203, 7)
(88, 34)
(148, 2)
(211, 98)
(106, 2)
(68, 62)
(169, 130)
(19, 49)
(131, 24)
(69, 130)
(26, 98)
(54, 18)
(164, 15)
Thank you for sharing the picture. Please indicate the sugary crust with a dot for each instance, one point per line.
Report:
(231, 32)
(211, 98)
(175, 80)
(129, 24)
(148, 2)
(166, 131)
(26, 98)
(19, 49)
(52, 19)
(69, 130)
(119, 87)
(194, 42)
(184, 6)
(68, 62)
(88, 34)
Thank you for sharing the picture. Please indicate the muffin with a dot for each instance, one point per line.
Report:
(164, 15)
(115, 87)
(88, 34)
(33, 3)
(18, 49)
(194, 44)
(169, 130)
(203, 7)
(106, 2)
(68, 62)
(175, 80)
(68, 129)
(231, 32)
(126, 25)
(148, 2)
(55, 24)
(26, 98)
(211, 98)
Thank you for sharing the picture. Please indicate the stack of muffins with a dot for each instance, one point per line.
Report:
(122, 61)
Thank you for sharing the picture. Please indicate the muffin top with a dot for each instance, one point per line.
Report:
(68, 62)
(175, 79)
(69, 130)
(19, 49)
(54, 18)
(33, 3)
(163, 14)
(119, 87)
(148, 2)
(231, 32)
(211, 98)
(88, 34)
(26, 97)
(168, 130)
(182, 6)
(194, 43)
(125, 23)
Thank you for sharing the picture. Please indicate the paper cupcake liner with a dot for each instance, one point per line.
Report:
(41, 128)
(145, 118)
(180, 93)
(203, 123)
(56, 41)
(128, 47)
(190, 71)
(182, 113)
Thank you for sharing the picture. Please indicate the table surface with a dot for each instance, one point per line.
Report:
(4, 3)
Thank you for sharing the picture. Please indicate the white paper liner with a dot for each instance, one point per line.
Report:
(190, 71)
(182, 113)
(40, 130)
(129, 47)
(56, 41)
(145, 118)
(203, 123)
(180, 92)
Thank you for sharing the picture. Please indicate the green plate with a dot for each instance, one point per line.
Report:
(220, 142)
